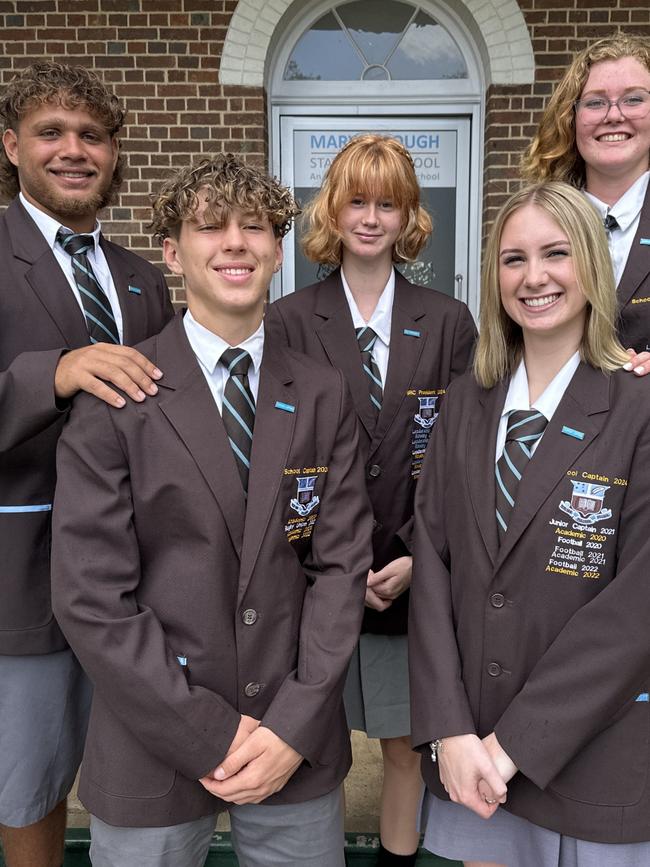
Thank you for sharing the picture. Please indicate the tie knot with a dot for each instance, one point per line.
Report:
(75, 244)
(366, 338)
(610, 223)
(236, 361)
(525, 425)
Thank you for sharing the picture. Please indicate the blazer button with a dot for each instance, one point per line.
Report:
(497, 600)
(249, 616)
(494, 669)
(252, 689)
(374, 471)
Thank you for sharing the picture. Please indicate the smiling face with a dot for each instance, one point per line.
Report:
(227, 264)
(537, 279)
(616, 147)
(369, 227)
(65, 160)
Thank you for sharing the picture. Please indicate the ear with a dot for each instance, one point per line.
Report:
(171, 257)
(115, 147)
(10, 142)
(279, 255)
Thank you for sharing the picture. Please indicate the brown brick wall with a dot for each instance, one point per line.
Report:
(162, 59)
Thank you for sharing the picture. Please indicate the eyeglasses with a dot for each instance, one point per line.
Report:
(594, 109)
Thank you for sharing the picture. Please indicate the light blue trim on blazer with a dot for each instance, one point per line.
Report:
(11, 510)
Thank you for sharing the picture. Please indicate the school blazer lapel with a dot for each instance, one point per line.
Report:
(335, 331)
(129, 292)
(582, 410)
(276, 411)
(187, 403)
(408, 336)
(44, 276)
(479, 463)
(637, 267)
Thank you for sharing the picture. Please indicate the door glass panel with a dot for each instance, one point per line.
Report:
(427, 52)
(376, 27)
(370, 41)
(324, 53)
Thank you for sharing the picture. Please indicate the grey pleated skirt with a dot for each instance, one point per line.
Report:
(376, 691)
(452, 831)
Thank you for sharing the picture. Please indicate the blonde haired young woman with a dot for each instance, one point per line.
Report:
(528, 641)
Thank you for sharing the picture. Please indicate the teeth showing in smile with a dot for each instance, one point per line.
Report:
(235, 272)
(75, 175)
(614, 136)
(540, 302)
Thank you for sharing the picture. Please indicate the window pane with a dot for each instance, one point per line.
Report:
(324, 53)
(375, 27)
(427, 52)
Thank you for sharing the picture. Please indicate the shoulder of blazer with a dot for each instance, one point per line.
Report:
(410, 295)
(24, 237)
(323, 298)
(129, 259)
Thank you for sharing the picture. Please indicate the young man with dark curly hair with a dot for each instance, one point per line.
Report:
(210, 551)
(69, 301)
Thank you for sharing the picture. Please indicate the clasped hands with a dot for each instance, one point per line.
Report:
(257, 765)
(475, 772)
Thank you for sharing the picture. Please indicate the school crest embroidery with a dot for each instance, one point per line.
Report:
(427, 415)
(586, 505)
(305, 501)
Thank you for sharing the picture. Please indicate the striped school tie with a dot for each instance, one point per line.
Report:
(97, 308)
(525, 427)
(238, 409)
(366, 338)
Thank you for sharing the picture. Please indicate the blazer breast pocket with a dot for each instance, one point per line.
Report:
(611, 771)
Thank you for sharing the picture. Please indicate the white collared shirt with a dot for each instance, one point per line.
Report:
(627, 213)
(49, 227)
(379, 321)
(209, 347)
(518, 397)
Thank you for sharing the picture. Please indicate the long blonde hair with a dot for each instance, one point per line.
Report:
(500, 343)
(553, 154)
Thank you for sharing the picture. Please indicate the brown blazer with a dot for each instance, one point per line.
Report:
(40, 319)
(156, 556)
(431, 342)
(544, 640)
(634, 287)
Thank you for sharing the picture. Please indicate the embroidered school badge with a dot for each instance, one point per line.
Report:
(427, 415)
(586, 506)
(305, 501)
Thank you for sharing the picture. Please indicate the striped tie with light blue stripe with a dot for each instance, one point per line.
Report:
(366, 338)
(97, 308)
(525, 427)
(238, 410)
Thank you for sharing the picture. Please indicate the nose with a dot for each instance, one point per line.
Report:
(614, 106)
(536, 274)
(232, 236)
(72, 146)
(370, 214)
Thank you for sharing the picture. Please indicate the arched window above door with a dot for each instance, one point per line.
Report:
(364, 41)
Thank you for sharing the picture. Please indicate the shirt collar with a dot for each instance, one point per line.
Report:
(380, 320)
(628, 207)
(48, 226)
(209, 347)
(547, 402)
